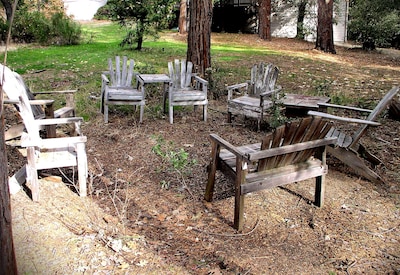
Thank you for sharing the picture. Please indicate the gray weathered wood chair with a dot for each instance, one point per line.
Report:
(185, 88)
(292, 153)
(348, 148)
(257, 94)
(120, 86)
(44, 108)
(45, 153)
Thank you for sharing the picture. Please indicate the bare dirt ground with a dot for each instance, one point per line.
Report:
(143, 216)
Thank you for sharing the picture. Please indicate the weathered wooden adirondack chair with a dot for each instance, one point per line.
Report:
(258, 96)
(186, 88)
(120, 86)
(43, 108)
(45, 153)
(348, 148)
(292, 153)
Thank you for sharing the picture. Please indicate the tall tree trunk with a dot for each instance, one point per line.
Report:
(8, 263)
(264, 17)
(182, 17)
(300, 19)
(324, 40)
(199, 35)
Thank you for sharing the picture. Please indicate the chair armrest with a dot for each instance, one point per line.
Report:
(233, 149)
(275, 91)
(344, 119)
(291, 148)
(51, 143)
(54, 121)
(104, 78)
(231, 88)
(344, 107)
(41, 101)
(55, 92)
(201, 80)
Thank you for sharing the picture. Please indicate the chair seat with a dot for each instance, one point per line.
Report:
(185, 95)
(56, 158)
(247, 103)
(124, 94)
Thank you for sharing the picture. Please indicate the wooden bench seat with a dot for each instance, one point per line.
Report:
(293, 152)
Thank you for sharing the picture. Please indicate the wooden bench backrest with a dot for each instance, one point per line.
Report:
(263, 79)
(121, 75)
(307, 129)
(180, 73)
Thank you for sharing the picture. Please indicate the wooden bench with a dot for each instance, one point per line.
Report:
(293, 152)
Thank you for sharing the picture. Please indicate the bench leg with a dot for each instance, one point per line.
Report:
(205, 112)
(211, 173)
(241, 170)
(319, 191)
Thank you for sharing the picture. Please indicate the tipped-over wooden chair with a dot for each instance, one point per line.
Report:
(292, 153)
(45, 153)
(185, 88)
(119, 86)
(348, 148)
(258, 94)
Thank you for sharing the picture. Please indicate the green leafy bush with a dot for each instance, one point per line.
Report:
(29, 27)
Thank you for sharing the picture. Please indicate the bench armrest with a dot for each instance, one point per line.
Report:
(233, 149)
(291, 148)
(344, 119)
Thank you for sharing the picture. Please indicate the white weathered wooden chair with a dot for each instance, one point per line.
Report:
(119, 86)
(45, 153)
(186, 88)
(292, 153)
(348, 148)
(257, 95)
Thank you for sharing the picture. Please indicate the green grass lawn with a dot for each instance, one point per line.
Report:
(302, 71)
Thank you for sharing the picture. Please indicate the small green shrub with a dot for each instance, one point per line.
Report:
(64, 30)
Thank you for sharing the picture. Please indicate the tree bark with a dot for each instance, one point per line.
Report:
(7, 4)
(8, 263)
(264, 17)
(182, 17)
(199, 35)
(324, 40)
(300, 19)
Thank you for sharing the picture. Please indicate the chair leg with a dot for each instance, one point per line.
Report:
(205, 112)
(82, 169)
(171, 114)
(229, 117)
(32, 174)
(105, 113)
(141, 113)
(239, 198)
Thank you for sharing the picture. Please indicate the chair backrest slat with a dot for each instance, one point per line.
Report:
(122, 74)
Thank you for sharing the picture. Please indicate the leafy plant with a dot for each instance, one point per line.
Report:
(177, 160)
